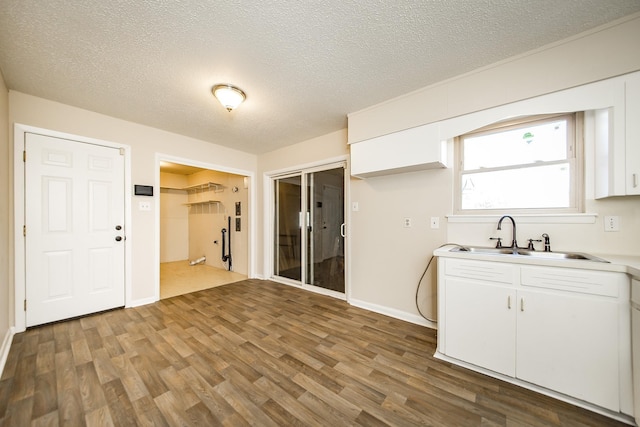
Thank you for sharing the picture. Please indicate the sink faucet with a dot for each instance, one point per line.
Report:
(514, 243)
(547, 243)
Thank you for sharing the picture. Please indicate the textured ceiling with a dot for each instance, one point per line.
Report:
(303, 64)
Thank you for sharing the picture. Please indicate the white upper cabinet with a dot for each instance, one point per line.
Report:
(609, 179)
(617, 141)
(408, 150)
(632, 143)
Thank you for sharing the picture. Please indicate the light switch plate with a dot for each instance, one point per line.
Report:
(435, 222)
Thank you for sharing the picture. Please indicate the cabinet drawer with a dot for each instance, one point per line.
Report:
(574, 280)
(480, 270)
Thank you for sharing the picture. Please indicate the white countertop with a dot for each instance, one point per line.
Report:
(631, 262)
(628, 264)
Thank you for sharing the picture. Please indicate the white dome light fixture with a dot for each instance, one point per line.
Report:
(228, 95)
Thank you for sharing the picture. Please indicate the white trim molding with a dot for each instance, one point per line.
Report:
(578, 218)
(5, 347)
(18, 201)
(392, 312)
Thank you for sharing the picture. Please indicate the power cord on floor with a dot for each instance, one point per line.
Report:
(422, 277)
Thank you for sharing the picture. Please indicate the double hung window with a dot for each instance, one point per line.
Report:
(531, 165)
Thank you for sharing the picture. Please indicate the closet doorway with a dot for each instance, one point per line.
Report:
(203, 228)
(309, 229)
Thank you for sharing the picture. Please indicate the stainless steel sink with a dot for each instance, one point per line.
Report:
(527, 253)
(560, 255)
(481, 250)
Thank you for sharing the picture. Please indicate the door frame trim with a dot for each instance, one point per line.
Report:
(268, 219)
(19, 291)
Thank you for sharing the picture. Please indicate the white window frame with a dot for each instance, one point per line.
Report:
(575, 157)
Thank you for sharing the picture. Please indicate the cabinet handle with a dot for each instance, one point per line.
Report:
(521, 304)
(635, 180)
(509, 302)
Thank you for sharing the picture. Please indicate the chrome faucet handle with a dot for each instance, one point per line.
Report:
(530, 245)
(547, 243)
(499, 239)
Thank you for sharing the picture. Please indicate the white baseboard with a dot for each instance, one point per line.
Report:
(392, 312)
(6, 346)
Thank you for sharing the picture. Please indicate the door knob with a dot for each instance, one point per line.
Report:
(118, 227)
(118, 238)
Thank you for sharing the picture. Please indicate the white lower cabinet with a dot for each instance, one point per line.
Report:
(569, 343)
(556, 328)
(480, 329)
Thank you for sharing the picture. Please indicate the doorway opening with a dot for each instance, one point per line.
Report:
(203, 228)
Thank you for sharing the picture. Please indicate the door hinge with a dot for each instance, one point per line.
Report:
(122, 151)
(24, 230)
(25, 305)
(24, 156)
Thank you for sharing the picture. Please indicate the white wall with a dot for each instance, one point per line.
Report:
(388, 259)
(6, 278)
(174, 218)
(240, 239)
(145, 143)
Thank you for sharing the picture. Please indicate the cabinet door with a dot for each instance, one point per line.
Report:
(632, 104)
(569, 343)
(479, 324)
(635, 342)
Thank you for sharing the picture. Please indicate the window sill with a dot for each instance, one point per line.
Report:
(581, 218)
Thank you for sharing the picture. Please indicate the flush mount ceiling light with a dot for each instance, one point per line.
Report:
(228, 95)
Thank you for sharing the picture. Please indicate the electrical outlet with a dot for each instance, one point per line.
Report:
(612, 223)
(435, 222)
(407, 222)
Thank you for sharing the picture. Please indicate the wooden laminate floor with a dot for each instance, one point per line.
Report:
(254, 353)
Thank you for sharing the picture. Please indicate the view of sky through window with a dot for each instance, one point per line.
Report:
(521, 167)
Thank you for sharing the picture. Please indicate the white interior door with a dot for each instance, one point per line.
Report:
(74, 217)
